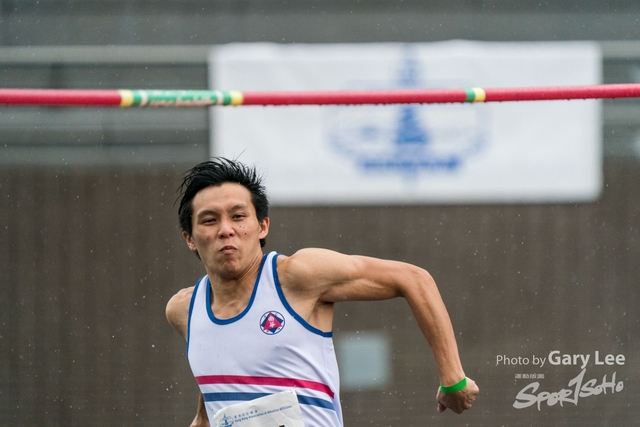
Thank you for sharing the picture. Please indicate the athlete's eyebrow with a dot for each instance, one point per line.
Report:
(239, 206)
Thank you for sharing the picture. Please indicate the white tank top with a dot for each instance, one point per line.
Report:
(265, 349)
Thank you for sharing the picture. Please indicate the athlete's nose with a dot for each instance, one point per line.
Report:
(226, 227)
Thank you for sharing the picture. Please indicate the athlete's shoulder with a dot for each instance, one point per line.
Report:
(293, 265)
(309, 268)
(181, 296)
(306, 258)
(177, 310)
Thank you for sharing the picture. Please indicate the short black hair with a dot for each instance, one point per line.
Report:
(216, 172)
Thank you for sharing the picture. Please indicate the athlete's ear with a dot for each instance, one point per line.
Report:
(264, 228)
(189, 240)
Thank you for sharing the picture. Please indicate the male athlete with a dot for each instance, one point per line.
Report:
(259, 324)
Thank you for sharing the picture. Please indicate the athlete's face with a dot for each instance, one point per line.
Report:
(226, 231)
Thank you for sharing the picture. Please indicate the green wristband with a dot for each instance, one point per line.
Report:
(454, 388)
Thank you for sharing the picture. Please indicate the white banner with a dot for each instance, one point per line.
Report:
(543, 151)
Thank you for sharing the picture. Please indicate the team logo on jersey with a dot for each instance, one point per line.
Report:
(271, 322)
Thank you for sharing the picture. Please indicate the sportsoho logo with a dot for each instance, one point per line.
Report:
(579, 387)
(408, 138)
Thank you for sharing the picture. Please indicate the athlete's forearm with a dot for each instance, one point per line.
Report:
(425, 301)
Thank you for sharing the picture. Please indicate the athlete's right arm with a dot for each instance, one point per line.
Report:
(177, 313)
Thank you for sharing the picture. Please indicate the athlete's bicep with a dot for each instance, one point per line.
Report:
(334, 277)
(371, 279)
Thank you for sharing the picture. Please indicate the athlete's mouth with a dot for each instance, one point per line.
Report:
(228, 249)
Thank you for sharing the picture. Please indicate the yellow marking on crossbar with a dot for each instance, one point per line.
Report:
(126, 98)
(480, 94)
(237, 98)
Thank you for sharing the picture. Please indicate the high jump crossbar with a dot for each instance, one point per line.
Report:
(206, 98)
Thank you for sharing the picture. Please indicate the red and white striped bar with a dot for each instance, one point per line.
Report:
(206, 98)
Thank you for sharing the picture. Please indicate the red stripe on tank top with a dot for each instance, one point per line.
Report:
(274, 381)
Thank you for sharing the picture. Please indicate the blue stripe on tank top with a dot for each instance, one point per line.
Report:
(243, 397)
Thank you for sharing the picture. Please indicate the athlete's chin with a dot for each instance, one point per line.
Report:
(230, 264)
(229, 267)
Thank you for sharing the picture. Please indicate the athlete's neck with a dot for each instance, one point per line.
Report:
(230, 295)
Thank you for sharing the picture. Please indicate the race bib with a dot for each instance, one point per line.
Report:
(276, 410)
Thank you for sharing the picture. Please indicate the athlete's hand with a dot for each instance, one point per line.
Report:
(460, 400)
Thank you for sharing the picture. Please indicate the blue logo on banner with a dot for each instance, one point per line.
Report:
(408, 138)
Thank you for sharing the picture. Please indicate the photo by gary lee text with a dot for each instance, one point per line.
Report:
(556, 358)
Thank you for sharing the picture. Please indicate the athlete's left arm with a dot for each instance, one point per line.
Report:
(334, 277)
